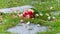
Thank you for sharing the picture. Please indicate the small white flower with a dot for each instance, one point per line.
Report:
(49, 18)
(21, 20)
(28, 23)
(36, 14)
(38, 25)
(51, 7)
(41, 14)
(32, 18)
(0, 23)
(47, 14)
(20, 14)
(53, 17)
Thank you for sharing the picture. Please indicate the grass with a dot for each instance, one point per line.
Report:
(9, 21)
(54, 27)
(13, 3)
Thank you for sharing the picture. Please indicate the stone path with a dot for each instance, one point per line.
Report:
(26, 29)
(14, 9)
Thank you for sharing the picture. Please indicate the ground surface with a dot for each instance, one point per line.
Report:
(22, 28)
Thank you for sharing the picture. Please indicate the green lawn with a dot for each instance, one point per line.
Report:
(9, 21)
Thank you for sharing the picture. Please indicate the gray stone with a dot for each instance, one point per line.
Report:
(27, 29)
